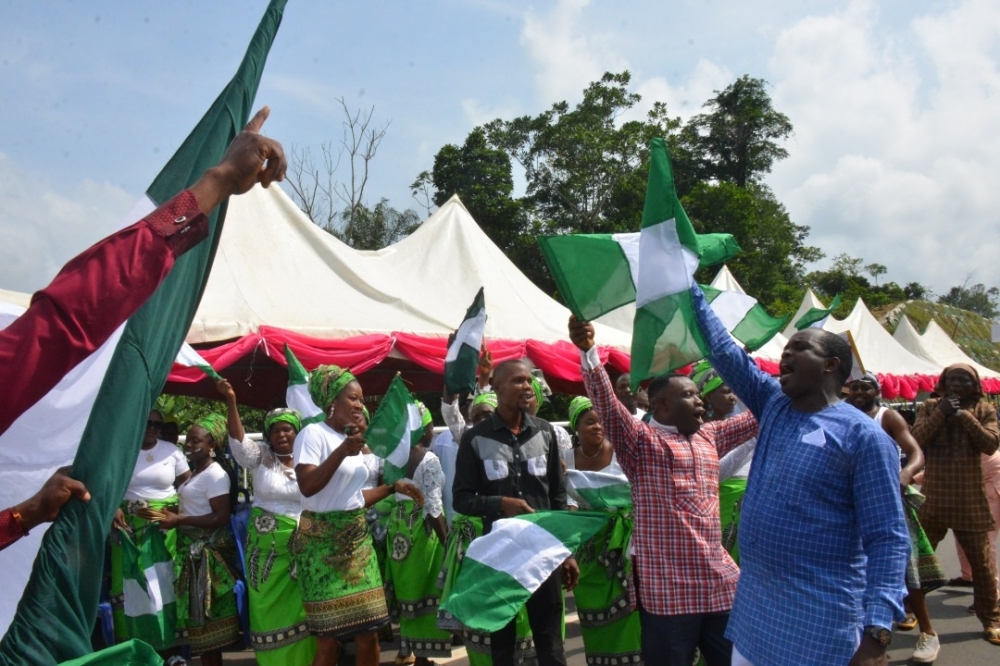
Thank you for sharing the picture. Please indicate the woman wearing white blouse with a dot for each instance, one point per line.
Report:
(335, 562)
(278, 630)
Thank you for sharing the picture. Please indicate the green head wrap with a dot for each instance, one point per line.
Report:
(425, 414)
(284, 414)
(217, 428)
(706, 378)
(325, 384)
(580, 405)
(539, 390)
(488, 398)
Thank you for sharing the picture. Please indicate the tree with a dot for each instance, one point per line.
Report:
(915, 291)
(338, 206)
(584, 167)
(875, 270)
(976, 298)
(772, 262)
(737, 140)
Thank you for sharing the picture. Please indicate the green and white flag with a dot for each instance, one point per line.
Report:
(503, 568)
(297, 394)
(600, 489)
(463, 355)
(598, 273)
(744, 317)
(395, 428)
(190, 358)
(148, 587)
(816, 317)
(665, 335)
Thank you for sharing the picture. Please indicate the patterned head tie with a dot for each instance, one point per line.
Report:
(217, 428)
(325, 384)
(579, 406)
(282, 415)
(706, 378)
(940, 389)
(488, 398)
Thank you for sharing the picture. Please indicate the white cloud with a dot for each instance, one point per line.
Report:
(476, 113)
(568, 54)
(686, 99)
(43, 227)
(893, 157)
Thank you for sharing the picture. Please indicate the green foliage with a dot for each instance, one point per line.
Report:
(772, 263)
(976, 298)
(375, 228)
(186, 411)
(845, 278)
(737, 140)
(968, 329)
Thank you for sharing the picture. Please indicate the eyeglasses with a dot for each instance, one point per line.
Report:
(154, 424)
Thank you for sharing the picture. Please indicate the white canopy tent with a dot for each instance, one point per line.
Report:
(936, 346)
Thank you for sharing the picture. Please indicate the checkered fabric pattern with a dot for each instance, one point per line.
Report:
(823, 542)
(682, 566)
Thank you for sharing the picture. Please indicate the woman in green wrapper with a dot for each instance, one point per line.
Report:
(278, 630)
(159, 470)
(720, 404)
(334, 561)
(604, 601)
(415, 544)
(205, 566)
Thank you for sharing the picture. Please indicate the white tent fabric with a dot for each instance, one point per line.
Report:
(275, 267)
(878, 351)
(809, 301)
(12, 304)
(935, 346)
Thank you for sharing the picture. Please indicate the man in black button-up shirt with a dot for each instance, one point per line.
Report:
(507, 465)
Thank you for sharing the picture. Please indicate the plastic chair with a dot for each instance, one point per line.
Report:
(107, 623)
(239, 526)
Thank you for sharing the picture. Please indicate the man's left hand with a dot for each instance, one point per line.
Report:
(44, 506)
(581, 333)
(570, 573)
(870, 653)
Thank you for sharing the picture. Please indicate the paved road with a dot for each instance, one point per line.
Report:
(962, 643)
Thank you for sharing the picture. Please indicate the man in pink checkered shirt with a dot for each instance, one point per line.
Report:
(685, 578)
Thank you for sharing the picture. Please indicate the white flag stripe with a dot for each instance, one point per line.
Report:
(629, 243)
(138, 602)
(665, 266)
(528, 554)
(400, 455)
(189, 357)
(469, 333)
(731, 307)
(594, 480)
(297, 397)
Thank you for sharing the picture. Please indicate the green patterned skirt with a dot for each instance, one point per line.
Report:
(414, 561)
(338, 574)
(206, 577)
(278, 630)
(731, 493)
(608, 618)
(137, 526)
(477, 643)
(923, 570)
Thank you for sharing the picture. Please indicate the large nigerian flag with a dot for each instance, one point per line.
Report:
(395, 427)
(503, 568)
(462, 358)
(598, 273)
(96, 415)
(297, 394)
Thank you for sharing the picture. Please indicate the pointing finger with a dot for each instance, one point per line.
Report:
(258, 120)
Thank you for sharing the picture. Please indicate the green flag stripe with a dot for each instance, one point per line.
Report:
(674, 338)
(506, 597)
(297, 373)
(591, 272)
(758, 327)
(59, 605)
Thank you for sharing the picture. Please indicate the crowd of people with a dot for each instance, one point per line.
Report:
(788, 531)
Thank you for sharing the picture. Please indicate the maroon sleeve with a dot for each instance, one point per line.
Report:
(89, 299)
(10, 531)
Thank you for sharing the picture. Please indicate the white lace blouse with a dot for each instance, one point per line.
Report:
(274, 486)
(429, 477)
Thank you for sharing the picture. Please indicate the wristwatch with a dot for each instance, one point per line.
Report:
(880, 634)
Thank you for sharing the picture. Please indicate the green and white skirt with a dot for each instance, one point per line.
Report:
(337, 573)
(414, 561)
(923, 570)
(608, 618)
(278, 630)
(140, 530)
(206, 577)
(477, 643)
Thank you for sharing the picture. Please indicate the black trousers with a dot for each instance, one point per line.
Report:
(545, 614)
(670, 640)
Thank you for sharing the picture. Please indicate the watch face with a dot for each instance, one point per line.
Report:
(881, 634)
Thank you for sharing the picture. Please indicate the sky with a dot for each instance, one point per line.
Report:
(895, 104)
